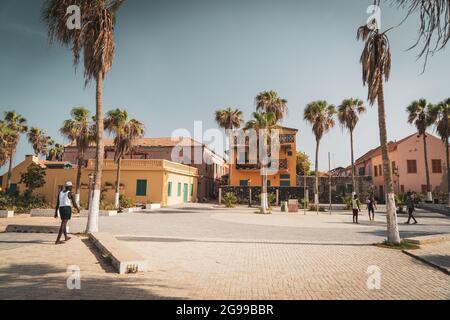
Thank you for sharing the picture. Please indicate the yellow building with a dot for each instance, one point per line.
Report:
(244, 173)
(144, 181)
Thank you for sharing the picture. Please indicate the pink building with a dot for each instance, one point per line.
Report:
(407, 165)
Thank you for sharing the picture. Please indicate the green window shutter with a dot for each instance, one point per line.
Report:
(192, 190)
(179, 189)
(268, 183)
(243, 183)
(169, 191)
(285, 183)
(141, 188)
(285, 176)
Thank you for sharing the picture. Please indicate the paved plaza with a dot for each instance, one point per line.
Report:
(206, 252)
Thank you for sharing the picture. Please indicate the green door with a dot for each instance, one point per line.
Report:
(185, 192)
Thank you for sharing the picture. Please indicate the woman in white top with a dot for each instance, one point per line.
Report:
(64, 205)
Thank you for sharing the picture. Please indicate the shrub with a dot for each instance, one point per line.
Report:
(230, 200)
(22, 203)
(347, 200)
(303, 203)
(106, 206)
(126, 202)
(313, 207)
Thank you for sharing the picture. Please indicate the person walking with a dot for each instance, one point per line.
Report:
(64, 204)
(411, 208)
(355, 208)
(371, 206)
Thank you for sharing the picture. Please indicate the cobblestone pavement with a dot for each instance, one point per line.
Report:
(244, 256)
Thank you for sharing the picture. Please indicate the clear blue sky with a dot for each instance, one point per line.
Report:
(177, 61)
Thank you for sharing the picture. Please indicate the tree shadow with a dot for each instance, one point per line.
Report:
(46, 282)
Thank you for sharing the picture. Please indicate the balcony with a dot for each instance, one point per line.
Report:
(248, 166)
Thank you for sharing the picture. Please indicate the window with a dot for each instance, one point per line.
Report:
(285, 176)
(375, 170)
(394, 169)
(289, 153)
(141, 188)
(362, 171)
(436, 166)
(380, 170)
(268, 183)
(243, 183)
(402, 189)
(179, 189)
(285, 183)
(12, 188)
(241, 158)
(411, 166)
(169, 189)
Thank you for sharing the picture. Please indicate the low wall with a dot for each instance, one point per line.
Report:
(243, 193)
(439, 208)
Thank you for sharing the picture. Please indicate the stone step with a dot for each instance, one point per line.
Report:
(6, 214)
(122, 258)
(33, 229)
(435, 238)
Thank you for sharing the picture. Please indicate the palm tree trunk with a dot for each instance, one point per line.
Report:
(92, 225)
(117, 196)
(427, 170)
(393, 235)
(264, 190)
(8, 176)
(353, 162)
(78, 183)
(316, 184)
(447, 151)
(230, 155)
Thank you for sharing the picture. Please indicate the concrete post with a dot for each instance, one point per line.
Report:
(250, 196)
(278, 197)
(220, 195)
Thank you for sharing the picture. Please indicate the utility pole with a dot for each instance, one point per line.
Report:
(329, 172)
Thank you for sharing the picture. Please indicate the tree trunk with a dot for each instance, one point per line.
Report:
(230, 155)
(10, 167)
(447, 152)
(78, 182)
(353, 162)
(264, 190)
(316, 184)
(427, 170)
(393, 235)
(92, 225)
(117, 196)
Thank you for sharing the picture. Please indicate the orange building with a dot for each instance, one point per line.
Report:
(407, 165)
(245, 171)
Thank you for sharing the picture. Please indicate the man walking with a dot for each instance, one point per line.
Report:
(411, 208)
(371, 206)
(64, 205)
(355, 208)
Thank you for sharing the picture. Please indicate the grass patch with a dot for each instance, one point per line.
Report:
(404, 245)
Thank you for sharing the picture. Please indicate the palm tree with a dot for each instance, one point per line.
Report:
(348, 115)
(419, 115)
(6, 137)
(55, 151)
(321, 116)
(263, 124)
(95, 40)
(229, 119)
(376, 68)
(269, 101)
(440, 115)
(16, 125)
(79, 130)
(125, 132)
(39, 141)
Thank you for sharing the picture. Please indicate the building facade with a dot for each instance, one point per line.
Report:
(144, 181)
(211, 167)
(407, 165)
(246, 172)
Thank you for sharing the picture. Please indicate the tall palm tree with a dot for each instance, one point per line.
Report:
(419, 115)
(6, 137)
(321, 116)
(348, 115)
(270, 101)
(229, 119)
(125, 132)
(55, 151)
(39, 141)
(16, 125)
(263, 124)
(95, 40)
(440, 115)
(79, 130)
(376, 68)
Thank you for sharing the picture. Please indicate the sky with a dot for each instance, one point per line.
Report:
(177, 61)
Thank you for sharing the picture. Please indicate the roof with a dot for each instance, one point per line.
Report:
(45, 164)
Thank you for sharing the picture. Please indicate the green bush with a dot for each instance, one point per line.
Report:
(106, 206)
(126, 202)
(347, 200)
(22, 203)
(313, 207)
(230, 200)
(303, 203)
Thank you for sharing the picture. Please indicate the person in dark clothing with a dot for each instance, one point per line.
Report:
(371, 206)
(355, 208)
(411, 208)
(64, 205)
